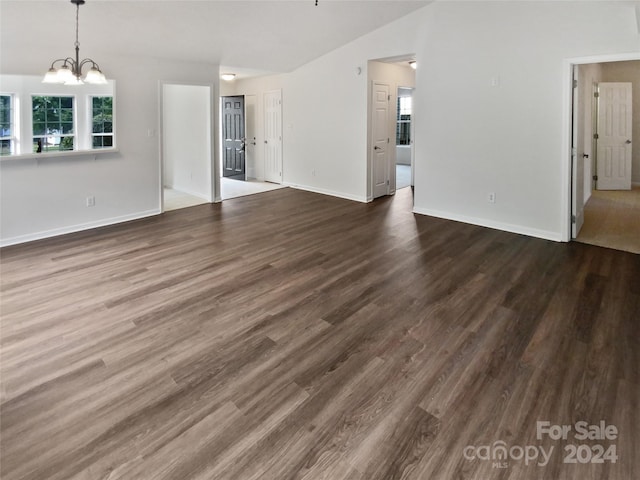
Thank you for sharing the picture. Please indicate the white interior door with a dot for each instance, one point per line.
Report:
(273, 136)
(614, 136)
(577, 155)
(380, 138)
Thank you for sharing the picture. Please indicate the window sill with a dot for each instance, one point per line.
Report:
(52, 155)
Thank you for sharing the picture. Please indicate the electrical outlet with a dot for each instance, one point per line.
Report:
(313, 173)
(491, 197)
(91, 201)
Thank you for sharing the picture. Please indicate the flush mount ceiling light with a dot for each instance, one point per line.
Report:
(228, 76)
(413, 64)
(70, 71)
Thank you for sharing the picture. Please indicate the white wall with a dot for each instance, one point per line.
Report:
(473, 138)
(186, 114)
(325, 111)
(46, 197)
(628, 72)
(492, 108)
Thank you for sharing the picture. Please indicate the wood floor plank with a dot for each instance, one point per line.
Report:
(291, 335)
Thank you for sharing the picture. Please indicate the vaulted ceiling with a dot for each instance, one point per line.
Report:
(265, 35)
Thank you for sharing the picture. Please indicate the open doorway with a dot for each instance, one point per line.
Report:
(251, 144)
(233, 138)
(186, 147)
(404, 138)
(389, 127)
(605, 184)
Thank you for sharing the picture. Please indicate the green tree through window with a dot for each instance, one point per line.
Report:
(53, 123)
(102, 122)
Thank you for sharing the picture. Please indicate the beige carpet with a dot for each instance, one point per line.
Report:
(612, 219)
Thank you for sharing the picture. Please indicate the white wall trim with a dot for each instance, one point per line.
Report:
(614, 57)
(76, 228)
(483, 222)
(346, 196)
(189, 192)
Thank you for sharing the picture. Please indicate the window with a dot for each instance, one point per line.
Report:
(102, 122)
(52, 124)
(7, 128)
(403, 127)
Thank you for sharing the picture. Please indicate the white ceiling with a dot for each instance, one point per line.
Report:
(259, 35)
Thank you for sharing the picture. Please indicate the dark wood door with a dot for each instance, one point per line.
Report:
(233, 137)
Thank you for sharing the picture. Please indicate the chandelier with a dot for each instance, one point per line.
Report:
(70, 71)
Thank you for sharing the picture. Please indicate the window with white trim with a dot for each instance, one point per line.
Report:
(53, 123)
(7, 125)
(102, 122)
(403, 127)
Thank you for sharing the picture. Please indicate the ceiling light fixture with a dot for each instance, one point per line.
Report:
(228, 76)
(413, 64)
(70, 71)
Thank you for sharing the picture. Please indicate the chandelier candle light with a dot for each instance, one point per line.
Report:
(70, 71)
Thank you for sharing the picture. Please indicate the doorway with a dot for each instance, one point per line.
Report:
(390, 86)
(243, 141)
(605, 108)
(404, 138)
(233, 139)
(186, 145)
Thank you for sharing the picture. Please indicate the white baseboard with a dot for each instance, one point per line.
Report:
(189, 192)
(346, 196)
(5, 242)
(483, 222)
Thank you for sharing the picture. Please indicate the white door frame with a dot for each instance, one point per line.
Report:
(214, 167)
(251, 126)
(567, 95)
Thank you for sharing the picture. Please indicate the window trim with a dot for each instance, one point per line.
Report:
(13, 138)
(400, 121)
(92, 135)
(74, 121)
(23, 87)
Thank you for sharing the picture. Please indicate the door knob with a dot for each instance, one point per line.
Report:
(377, 148)
(628, 142)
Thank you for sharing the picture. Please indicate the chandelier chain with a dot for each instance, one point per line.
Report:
(77, 44)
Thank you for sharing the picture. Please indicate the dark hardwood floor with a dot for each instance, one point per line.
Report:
(290, 335)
